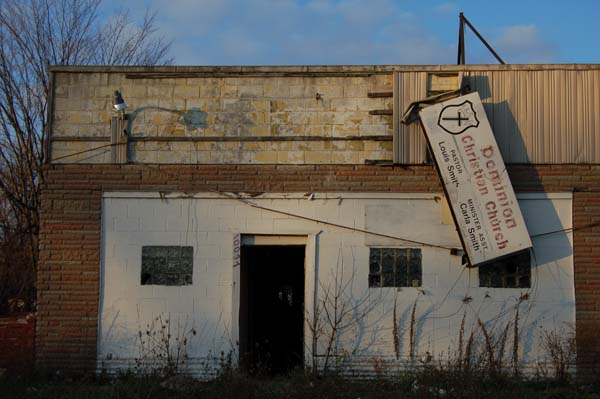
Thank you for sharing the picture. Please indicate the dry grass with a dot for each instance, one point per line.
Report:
(427, 382)
(559, 345)
(162, 347)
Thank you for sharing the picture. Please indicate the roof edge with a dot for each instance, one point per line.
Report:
(312, 69)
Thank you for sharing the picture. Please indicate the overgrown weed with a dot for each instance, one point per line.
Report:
(432, 380)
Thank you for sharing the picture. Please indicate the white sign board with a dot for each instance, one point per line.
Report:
(476, 182)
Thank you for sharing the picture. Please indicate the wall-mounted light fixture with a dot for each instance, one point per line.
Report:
(118, 102)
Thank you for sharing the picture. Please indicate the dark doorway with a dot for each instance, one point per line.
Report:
(272, 308)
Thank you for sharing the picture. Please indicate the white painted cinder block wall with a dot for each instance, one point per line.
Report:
(210, 222)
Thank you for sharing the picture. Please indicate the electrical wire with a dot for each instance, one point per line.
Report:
(341, 226)
(533, 289)
(568, 230)
(86, 151)
(441, 303)
(249, 203)
(237, 197)
(436, 306)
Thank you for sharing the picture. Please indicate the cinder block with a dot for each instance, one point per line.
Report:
(184, 92)
(160, 91)
(210, 91)
(290, 156)
(229, 91)
(276, 90)
(221, 210)
(126, 224)
(344, 104)
(255, 91)
(265, 156)
(74, 117)
(134, 91)
(356, 91)
(345, 157)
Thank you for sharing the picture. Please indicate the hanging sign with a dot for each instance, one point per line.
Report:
(475, 179)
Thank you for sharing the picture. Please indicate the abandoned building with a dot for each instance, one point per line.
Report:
(286, 217)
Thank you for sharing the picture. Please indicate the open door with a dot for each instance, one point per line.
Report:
(272, 308)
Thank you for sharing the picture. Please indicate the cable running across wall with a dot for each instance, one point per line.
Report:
(253, 205)
(567, 230)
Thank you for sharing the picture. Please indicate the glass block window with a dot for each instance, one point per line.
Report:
(511, 272)
(395, 267)
(167, 265)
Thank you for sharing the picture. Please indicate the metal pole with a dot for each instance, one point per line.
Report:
(463, 18)
(461, 40)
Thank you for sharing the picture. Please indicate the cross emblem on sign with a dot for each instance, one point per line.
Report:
(459, 119)
(456, 118)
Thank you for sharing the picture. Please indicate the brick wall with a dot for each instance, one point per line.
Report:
(16, 342)
(586, 243)
(69, 270)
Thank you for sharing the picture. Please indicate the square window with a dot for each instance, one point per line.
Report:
(388, 262)
(374, 280)
(513, 271)
(388, 280)
(400, 280)
(395, 267)
(167, 265)
(374, 262)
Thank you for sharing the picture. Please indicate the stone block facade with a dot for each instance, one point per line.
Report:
(299, 119)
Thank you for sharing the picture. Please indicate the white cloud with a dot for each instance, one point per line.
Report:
(525, 44)
(359, 13)
(236, 44)
(446, 8)
(296, 32)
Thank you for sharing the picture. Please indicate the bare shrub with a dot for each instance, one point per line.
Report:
(336, 312)
(16, 274)
(487, 349)
(163, 347)
(560, 349)
(33, 35)
(515, 358)
(412, 331)
(395, 337)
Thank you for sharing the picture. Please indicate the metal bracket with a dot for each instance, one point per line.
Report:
(119, 139)
(461, 40)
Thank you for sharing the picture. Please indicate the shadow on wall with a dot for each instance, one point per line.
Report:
(513, 148)
(192, 119)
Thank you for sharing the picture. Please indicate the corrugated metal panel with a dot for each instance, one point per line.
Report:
(538, 116)
(411, 143)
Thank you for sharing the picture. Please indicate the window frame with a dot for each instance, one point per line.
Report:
(512, 272)
(395, 267)
(167, 265)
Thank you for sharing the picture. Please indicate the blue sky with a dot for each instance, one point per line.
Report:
(304, 32)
